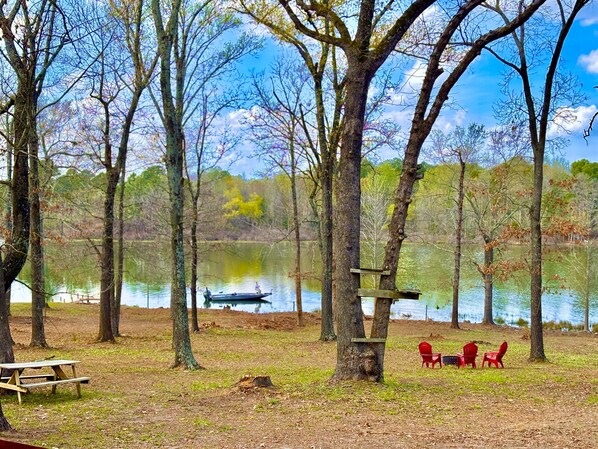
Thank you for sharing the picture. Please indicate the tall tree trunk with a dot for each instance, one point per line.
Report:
(586, 315)
(172, 120)
(397, 234)
(107, 278)
(4, 424)
(538, 121)
(17, 245)
(354, 361)
(326, 177)
(488, 280)
(588, 272)
(458, 238)
(38, 288)
(120, 258)
(296, 223)
(194, 265)
(536, 331)
(8, 210)
(6, 351)
(178, 298)
(9, 217)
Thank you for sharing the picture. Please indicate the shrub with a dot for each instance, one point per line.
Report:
(522, 323)
(499, 320)
(562, 326)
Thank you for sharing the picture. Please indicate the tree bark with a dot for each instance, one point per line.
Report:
(107, 277)
(38, 288)
(6, 351)
(297, 234)
(194, 262)
(354, 361)
(120, 258)
(397, 234)
(4, 424)
(488, 281)
(17, 245)
(326, 176)
(458, 238)
(536, 330)
(172, 118)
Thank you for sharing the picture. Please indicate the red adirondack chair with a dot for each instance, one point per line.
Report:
(470, 352)
(495, 357)
(425, 350)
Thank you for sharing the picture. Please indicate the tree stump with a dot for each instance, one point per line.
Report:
(248, 382)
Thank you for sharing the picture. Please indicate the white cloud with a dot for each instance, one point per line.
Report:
(589, 21)
(571, 120)
(589, 15)
(414, 77)
(590, 62)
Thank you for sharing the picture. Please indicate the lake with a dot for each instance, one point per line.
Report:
(73, 270)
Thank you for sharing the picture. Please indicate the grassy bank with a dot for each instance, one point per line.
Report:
(135, 400)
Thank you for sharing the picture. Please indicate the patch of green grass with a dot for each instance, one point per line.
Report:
(202, 386)
(200, 422)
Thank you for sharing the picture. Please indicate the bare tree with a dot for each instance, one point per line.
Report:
(275, 123)
(167, 32)
(494, 197)
(23, 59)
(463, 147)
(122, 69)
(537, 110)
(325, 69)
(211, 88)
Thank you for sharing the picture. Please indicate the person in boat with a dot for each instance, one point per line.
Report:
(258, 289)
(207, 294)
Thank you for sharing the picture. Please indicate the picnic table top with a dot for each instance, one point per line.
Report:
(37, 364)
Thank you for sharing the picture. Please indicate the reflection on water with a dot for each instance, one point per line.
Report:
(236, 267)
(256, 306)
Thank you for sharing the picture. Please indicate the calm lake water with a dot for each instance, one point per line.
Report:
(235, 267)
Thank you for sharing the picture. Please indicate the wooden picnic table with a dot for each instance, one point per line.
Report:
(56, 377)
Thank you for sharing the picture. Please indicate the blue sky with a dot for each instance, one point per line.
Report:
(478, 90)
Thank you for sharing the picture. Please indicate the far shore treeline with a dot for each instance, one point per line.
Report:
(236, 208)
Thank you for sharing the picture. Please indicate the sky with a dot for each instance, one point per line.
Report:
(478, 91)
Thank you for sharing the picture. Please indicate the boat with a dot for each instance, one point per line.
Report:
(236, 297)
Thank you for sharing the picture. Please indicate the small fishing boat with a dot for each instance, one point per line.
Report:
(235, 297)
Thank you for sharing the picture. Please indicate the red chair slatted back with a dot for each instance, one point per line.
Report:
(502, 349)
(470, 351)
(425, 348)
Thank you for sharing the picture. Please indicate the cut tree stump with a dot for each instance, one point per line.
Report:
(250, 382)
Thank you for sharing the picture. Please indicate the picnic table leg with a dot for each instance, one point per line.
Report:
(77, 383)
(17, 381)
(58, 375)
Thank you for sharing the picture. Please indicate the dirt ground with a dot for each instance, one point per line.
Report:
(134, 400)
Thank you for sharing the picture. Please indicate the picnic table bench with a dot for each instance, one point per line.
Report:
(57, 377)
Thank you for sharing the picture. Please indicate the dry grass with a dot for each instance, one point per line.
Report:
(135, 400)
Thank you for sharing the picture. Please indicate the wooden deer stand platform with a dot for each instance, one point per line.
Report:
(378, 293)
